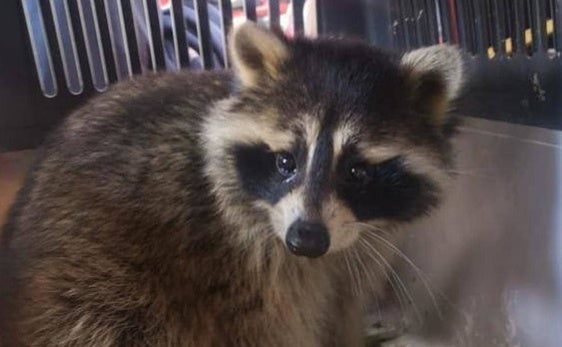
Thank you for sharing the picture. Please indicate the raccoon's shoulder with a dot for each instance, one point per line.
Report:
(135, 146)
(145, 104)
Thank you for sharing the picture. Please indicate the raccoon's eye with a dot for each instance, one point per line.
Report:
(359, 173)
(286, 164)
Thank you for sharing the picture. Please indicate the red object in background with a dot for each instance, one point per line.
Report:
(262, 9)
(453, 22)
(164, 4)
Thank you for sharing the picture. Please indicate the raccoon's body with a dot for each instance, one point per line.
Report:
(212, 208)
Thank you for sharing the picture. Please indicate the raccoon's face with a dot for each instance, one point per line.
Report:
(326, 135)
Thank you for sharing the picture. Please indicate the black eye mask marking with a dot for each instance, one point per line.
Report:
(384, 190)
(259, 175)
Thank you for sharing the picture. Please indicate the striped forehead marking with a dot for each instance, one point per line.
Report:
(344, 135)
(319, 170)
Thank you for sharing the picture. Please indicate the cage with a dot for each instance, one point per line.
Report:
(58, 53)
(492, 255)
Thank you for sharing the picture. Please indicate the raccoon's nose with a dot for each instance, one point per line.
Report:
(307, 239)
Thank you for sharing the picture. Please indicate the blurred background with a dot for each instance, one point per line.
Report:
(486, 268)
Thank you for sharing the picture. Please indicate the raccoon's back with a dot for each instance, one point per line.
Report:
(103, 201)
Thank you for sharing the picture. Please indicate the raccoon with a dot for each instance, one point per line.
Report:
(230, 208)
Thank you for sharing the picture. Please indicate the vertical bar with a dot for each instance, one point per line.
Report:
(142, 34)
(298, 17)
(225, 7)
(439, 23)
(453, 22)
(445, 23)
(105, 40)
(40, 47)
(250, 10)
(176, 64)
(404, 14)
(530, 41)
(557, 14)
(551, 26)
(499, 25)
(92, 40)
(540, 25)
(156, 40)
(419, 17)
(114, 14)
(51, 31)
(131, 39)
(519, 30)
(67, 46)
(411, 23)
(488, 29)
(274, 15)
(431, 22)
(509, 45)
(204, 33)
(464, 35)
(81, 48)
(479, 28)
(398, 30)
(469, 20)
(182, 49)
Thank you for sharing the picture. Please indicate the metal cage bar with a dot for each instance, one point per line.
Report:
(557, 14)
(465, 40)
(421, 24)
(404, 9)
(519, 30)
(181, 40)
(500, 27)
(273, 7)
(39, 47)
(539, 27)
(398, 32)
(203, 33)
(225, 8)
(89, 28)
(479, 28)
(488, 28)
(87, 77)
(529, 33)
(56, 57)
(129, 22)
(250, 10)
(155, 33)
(298, 16)
(106, 41)
(445, 23)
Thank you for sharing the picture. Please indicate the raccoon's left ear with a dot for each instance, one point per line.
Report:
(256, 53)
(435, 76)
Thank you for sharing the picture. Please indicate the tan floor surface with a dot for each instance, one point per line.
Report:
(13, 166)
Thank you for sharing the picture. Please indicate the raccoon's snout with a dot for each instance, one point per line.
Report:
(307, 239)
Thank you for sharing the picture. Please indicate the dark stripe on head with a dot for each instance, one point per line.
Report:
(318, 180)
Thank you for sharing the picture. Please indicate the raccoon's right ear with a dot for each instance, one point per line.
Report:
(435, 77)
(256, 53)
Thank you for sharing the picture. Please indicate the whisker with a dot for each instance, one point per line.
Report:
(351, 273)
(421, 274)
(397, 277)
(373, 281)
(473, 173)
(397, 291)
(357, 266)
